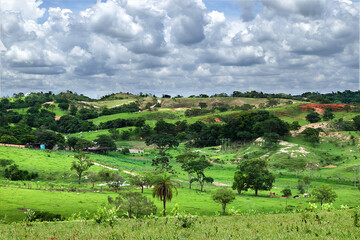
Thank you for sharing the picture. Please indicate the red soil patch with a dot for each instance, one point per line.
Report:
(323, 107)
(208, 119)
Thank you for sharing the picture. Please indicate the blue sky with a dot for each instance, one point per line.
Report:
(179, 46)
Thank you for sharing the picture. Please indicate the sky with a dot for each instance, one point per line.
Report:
(186, 47)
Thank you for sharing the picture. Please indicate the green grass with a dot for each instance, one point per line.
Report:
(54, 166)
(320, 225)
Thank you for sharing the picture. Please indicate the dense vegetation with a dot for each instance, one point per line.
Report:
(204, 155)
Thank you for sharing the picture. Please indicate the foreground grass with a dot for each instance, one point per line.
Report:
(306, 225)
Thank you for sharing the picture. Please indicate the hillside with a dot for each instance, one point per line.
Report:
(226, 131)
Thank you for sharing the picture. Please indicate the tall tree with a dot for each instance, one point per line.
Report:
(185, 159)
(163, 142)
(324, 193)
(255, 175)
(286, 193)
(141, 180)
(82, 164)
(163, 189)
(105, 143)
(198, 167)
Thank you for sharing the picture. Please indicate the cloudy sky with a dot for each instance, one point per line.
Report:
(179, 46)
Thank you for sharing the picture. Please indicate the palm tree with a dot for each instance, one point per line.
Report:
(163, 188)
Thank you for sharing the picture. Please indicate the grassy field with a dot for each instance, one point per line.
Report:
(311, 225)
(335, 154)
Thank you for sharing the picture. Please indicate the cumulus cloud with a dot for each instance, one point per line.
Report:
(179, 46)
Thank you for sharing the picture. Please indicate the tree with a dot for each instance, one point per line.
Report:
(141, 180)
(163, 142)
(255, 175)
(295, 125)
(73, 110)
(240, 182)
(93, 177)
(313, 117)
(116, 180)
(82, 144)
(223, 196)
(311, 135)
(271, 140)
(133, 204)
(162, 163)
(356, 122)
(198, 167)
(114, 133)
(47, 137)
(163, 189)
(81, 165)
(112, 178)
(324, 193)
(184, 159)
(63, 106)
(306, 180)
(202, 105)
(328, 114)
(105, 143)
(271, 102)
(286, 193)
(71, 142)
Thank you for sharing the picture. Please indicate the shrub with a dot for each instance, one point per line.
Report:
(41, 216)
(185, 220)
(106, 216)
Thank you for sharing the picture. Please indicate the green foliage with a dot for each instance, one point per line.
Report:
(5, 162)
(114, 133)
(313, 117)
(185, 220)
(311, 135)
(286, 192)
(324, 193)
(141, 180)
(106, 216)
(356, 216)
(271, 140)
(295, 125)
(47, 137)
(202, 105)
(41, 216)
(356, 122)
(254, 174)
(162, 141)
(105, 143)
(224, 197)
(81, 165)
(133, 205)
(163, 188)
(63, 106)
(15, 174)
(328, 114)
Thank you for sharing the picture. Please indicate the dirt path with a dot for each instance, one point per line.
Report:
(311, 125)
(98, 164)
(219, 184)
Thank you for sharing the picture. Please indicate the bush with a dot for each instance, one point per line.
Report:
(185, 220)
(106, 216)
(15, 174)
(41, 216)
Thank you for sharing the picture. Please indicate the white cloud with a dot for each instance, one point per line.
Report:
(151, 46)
(29, 9)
